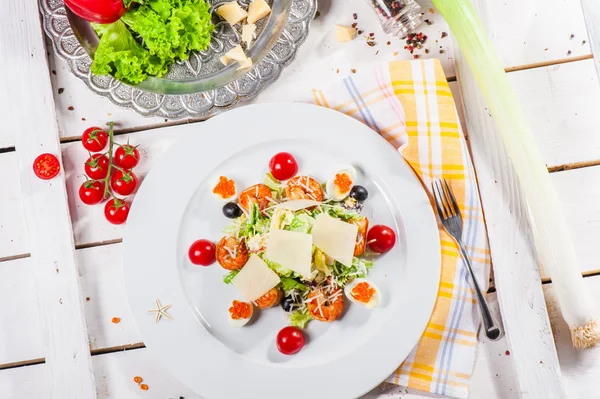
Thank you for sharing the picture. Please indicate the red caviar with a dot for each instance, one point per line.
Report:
(137, 379)
(144, 387)
(240, 310)
(342, 182)
(116, 320)
(363, 292)
(225, 188)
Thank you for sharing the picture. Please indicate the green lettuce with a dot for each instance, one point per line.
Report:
(359, 269)
(289, 284)
(168, 29)
(118, 54)
(301, 223)
(299, 318)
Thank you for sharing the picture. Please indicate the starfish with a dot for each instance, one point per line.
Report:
(160, 311)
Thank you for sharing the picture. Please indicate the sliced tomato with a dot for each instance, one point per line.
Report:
(46, 166)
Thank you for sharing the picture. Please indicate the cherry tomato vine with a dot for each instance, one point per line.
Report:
(109, 172)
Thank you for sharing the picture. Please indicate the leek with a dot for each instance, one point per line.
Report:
(553, 244)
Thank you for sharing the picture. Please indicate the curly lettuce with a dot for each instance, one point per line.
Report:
(118, 54)
(359, 269)
(289, 284)
(298, 318)
(168, 31)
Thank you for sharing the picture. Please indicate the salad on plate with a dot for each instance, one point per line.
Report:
(296, 242)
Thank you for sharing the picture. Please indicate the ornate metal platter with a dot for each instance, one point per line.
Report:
(73, 46)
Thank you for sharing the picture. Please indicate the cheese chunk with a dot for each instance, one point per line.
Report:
(236, 54)
(258, 9)
(296, 205)
(246, 64)
(224, 60)
(291, 250)
(248, 34)
(344, 33)
(335, 237)
(232, 12)
(255, 279)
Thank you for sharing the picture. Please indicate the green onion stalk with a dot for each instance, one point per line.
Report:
(553, 243)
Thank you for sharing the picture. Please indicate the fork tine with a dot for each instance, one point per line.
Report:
(454, 204)
(436, 199)
(447, 201)
(439, 201)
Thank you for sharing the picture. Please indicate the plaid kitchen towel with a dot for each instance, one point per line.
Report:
(410, 104)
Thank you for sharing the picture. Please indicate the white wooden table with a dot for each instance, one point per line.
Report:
(544, 46)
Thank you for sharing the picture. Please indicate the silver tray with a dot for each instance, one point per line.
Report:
(196, 105)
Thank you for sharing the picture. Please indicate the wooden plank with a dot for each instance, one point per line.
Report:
(527, 32)
(516, 273)
(591, 13)
(13, 235)
(20, 335)
(562, 102)
(32, 116)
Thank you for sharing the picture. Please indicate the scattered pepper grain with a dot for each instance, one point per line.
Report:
(444, 34)
(355, 16)
(60, 90)
(71, 108)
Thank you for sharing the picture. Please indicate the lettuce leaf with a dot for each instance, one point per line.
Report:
(289, 284)
(301, 223)
(277, 268)
(168, 29)
(359, 269)
(299, 319)
(118, 54)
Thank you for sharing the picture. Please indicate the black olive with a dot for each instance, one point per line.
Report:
(359, 193)
(287, 304)
(232, 210)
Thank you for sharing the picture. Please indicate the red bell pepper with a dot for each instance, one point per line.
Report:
(99, 11)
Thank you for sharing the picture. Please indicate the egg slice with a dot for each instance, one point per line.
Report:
(239, 313)
(341, 182)
(224, 189)
(364, 292)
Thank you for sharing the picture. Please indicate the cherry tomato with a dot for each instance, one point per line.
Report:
(283, 166)
(96, 166)
(202, 252)
(290, 340)
(126, 156)
(46, 166)
(94, 139)
(116, 211)
(381, 238)
(91, 192)
(123, 183)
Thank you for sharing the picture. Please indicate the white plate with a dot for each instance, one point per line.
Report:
(174, 207)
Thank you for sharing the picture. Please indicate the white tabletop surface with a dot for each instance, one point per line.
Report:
(545, 48)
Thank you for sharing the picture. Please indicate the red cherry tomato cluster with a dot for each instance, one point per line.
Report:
(109, 173)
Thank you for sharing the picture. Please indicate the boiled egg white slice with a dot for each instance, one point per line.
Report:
(224, 183)
(375, 298)
(344, 172)
(241, 321)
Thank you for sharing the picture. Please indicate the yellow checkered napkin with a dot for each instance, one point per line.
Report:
(410, 104)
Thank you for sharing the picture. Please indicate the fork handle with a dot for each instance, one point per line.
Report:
(492, 331)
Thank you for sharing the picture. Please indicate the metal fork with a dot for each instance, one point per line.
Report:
(452, 221)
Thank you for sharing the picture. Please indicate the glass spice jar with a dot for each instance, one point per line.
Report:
(397, 17)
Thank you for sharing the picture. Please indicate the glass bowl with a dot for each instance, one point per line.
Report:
(203, 71)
